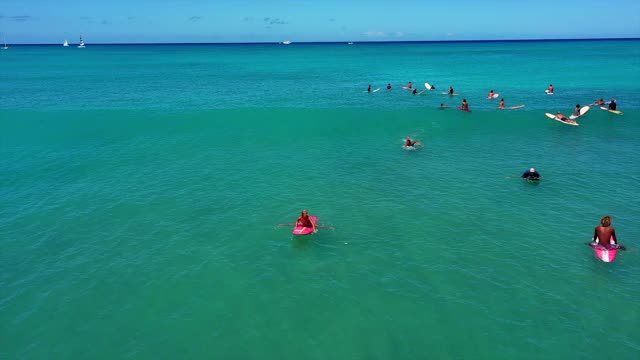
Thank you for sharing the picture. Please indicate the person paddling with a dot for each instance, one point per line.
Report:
(408, 142)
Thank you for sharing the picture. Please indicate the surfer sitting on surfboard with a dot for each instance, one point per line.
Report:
(550, 89)
(532, 174)
(490, 95)
(389, 86)
(369, 88)
(612, 104)
(576, 112)
(410, 86)
(607, 232)
(451, 92)
(501, 106)
(305, 221)
(465, 105)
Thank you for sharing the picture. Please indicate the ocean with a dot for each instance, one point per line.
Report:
(143, 187)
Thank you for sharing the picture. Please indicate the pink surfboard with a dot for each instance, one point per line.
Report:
(301, 230)
(604, 254)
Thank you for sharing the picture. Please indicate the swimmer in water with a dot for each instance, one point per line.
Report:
(408, 142)
(599, 102)
(531, 174)
(490, 95)
(389, 86)
(305, 221)
(501, 105)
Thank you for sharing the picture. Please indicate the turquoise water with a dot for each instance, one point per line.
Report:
(142, 188)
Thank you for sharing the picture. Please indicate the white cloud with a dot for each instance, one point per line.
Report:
(374, 33)
(399, 34)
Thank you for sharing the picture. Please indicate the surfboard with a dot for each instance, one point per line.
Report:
(428, 86)
(412, 148)
(583, 110)
(495, 95)
(513, 107)
(301, 230)
(611, 111)
(446, 93)
(548, 93)
(604, 254)
(378, 89)
(420, 93)
(460, 108)
(407, 88)
(551, 116)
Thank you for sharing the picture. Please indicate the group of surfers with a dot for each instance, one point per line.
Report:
(465, 105)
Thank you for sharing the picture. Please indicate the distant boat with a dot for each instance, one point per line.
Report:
(5, 47)
(286, 42)
(81, 46)
(349, 43)
(66, 43)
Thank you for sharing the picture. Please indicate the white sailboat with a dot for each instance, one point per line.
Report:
(66, 43)
(81, 45)
(286, 42)
(5, 47)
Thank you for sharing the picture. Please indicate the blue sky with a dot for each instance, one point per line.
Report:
(40, 21)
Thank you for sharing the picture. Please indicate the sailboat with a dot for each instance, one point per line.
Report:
(66, 43)
(81, 46)
(5, 47)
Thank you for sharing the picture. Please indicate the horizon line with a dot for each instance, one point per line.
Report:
(334, 42)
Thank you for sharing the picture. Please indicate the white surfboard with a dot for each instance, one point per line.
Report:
(446, 93)
(428, 86)
(611, 111)
(583, 110)
(420, 93)
(548, 93)
(378, 89)
(513, 107)
(551, 116)
(495, 95)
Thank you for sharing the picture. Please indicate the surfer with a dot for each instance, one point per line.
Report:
(451, 90)
(443, 106)
(369, 88)
(415, 91)
(410, 86)
(305, 221)
(605, 235)
(410, 143)
(562, 117)
(389, 86)
(612, 104)
(501, 105)
(490, 96)
(531, 174)
(600, 102)
(465, 105)
(550, 89)
(576, 111)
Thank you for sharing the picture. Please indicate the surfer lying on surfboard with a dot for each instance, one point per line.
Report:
(562, 117)
(606, 231)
